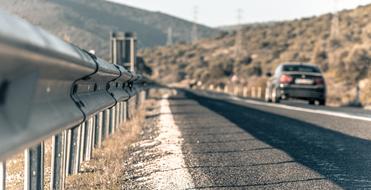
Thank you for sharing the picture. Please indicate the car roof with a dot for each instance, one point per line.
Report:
(304, 64)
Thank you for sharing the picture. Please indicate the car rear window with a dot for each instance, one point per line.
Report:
(300, 68)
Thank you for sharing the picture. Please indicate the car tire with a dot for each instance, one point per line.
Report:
(322, 102)
(312, 102)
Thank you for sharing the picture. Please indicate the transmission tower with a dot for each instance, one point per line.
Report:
(335, 23)
(169, 36)
(239, 37)
(194, 34)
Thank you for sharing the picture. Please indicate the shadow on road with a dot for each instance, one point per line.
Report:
(343, 159)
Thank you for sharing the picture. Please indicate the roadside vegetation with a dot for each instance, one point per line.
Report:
(105, 169)
(343, 53)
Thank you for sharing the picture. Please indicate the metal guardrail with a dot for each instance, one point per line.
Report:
(49, 88)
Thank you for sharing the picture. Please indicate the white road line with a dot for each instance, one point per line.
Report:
(171, 147)
(322, 112)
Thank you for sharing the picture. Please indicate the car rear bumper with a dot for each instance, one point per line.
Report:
(307, 93)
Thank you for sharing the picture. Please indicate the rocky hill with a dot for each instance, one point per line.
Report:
(340, 45)
(89, 22)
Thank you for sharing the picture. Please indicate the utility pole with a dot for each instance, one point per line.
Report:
(239, 37)
(194, 34)
(169, 36)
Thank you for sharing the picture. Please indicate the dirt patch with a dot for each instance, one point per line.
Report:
(106, 167)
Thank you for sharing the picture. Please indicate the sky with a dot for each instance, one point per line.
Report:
(225, 12)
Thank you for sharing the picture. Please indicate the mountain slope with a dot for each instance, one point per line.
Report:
(344, 54)
(88, 22)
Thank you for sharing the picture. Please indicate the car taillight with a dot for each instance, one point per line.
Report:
(286, 79)
(319, 81)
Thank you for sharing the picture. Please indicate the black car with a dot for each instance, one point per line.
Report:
(296, 81)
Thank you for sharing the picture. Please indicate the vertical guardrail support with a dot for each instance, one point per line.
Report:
(2, 175)
(120, 114)
(111, 120)
(83, 140)
(92, 136)
(98, 130)
(88, 131)
(56, 178)
(64, 158)
(125, 114)
(73, 167)
(106, 124)
(117, 118)
(78, 149)
(34, 168)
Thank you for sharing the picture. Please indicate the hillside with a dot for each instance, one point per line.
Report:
(89, 22)
(343, 54)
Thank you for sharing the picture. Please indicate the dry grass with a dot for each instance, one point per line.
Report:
(106, 167)
(15, 169)
(345, 57)
(102, 172)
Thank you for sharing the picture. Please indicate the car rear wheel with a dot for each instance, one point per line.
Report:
(312, 102)
(322, 102)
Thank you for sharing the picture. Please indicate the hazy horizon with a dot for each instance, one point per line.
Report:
(254, 11)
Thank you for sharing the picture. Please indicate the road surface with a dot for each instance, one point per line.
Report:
(200, 140)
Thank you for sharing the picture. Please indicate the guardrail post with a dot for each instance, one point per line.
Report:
(111, 113)
(122, 112)
(118, 112)
(117, 122)
(98, 130)
(125, 114)
(114, 116)
(64, 158)
(129, 108)
(244, 92)
(113, 120)
(136, 102)
(106, 123)
(73, 152)
(92, 136)
(211, 87)
(226, 89)
(68, 152)
(78, 150)
(2, 175)
(34, 168)
(236, 90)
(88, 139)
(259, 92)
(83, 140)
(56, 178)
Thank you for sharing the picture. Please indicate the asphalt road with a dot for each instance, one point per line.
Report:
(226, 142)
